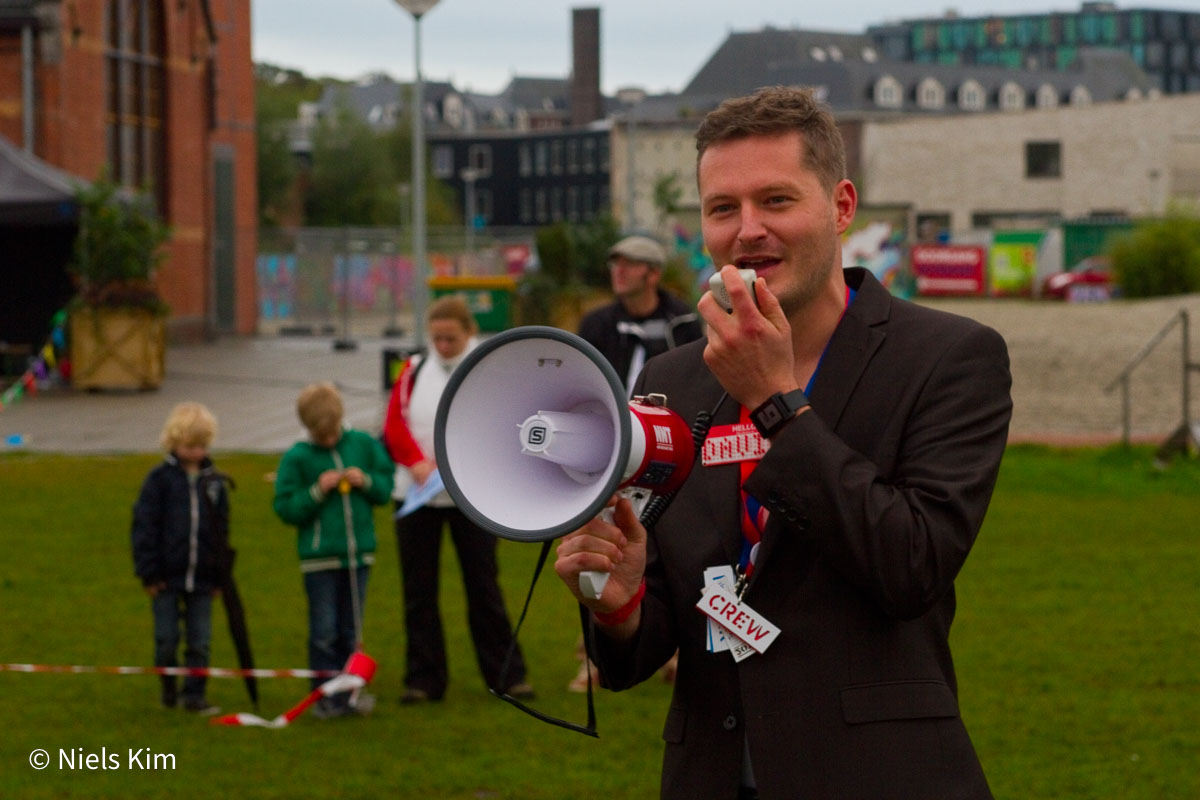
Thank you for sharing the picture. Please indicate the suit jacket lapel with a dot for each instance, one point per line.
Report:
(850, 349)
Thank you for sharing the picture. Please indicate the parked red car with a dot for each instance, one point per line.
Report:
(1089, 280)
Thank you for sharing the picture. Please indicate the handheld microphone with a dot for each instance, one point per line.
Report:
(716, 285)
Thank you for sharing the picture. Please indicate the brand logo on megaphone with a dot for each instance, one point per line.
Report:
(663, 437)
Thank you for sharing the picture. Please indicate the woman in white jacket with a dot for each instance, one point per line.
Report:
(408, 434)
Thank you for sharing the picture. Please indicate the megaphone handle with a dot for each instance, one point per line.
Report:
(591, 581)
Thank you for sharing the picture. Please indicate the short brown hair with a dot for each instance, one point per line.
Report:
(187, 424)
(778, 110)
(453, 307)
(320, 408)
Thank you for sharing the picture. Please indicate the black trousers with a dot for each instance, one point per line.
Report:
(419, 536)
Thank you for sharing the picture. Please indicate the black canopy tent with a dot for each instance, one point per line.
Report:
(39, 218)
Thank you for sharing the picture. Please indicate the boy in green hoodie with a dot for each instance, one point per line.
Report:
(327, 487)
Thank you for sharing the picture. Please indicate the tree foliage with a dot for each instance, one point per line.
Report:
(353, 179)
(572, 258)
(356, 174)
(667, 196)
(278, 95)
(441, 206)
(1161, 257)
(577, 253)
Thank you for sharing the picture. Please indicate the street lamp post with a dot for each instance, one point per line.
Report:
(393, 328)
(418, 9)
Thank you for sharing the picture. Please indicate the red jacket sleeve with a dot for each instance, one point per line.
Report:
(398, 439)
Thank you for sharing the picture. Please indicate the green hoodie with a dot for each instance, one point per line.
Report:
(321, 518)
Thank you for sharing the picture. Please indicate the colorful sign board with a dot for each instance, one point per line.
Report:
(949, 269)
(1012, 261)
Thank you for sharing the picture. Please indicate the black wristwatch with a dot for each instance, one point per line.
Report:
(778, 410)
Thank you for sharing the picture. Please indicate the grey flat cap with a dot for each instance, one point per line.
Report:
(640, 248)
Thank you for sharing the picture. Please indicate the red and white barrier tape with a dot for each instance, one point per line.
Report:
(204, 672)
(342, 683)
(357, 673)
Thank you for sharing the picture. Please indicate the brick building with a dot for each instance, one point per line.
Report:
(161, 92)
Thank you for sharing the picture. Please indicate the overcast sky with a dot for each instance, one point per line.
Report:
(480, 44)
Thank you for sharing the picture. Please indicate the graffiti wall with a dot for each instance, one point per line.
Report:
(876, 240)
(322, 275)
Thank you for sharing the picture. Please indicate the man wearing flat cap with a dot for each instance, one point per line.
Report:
(643, 320)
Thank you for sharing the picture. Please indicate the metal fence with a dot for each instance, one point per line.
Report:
(355, 282)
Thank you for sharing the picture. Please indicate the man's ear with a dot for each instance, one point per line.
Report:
(845, 199)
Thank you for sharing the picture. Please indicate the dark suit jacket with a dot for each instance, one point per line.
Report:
(875, 500)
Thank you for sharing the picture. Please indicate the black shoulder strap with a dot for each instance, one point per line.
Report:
(649, 518)
(590, 728)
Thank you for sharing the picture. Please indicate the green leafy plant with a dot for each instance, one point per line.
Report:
(1161, 257)
(118, 248)
(573, 263)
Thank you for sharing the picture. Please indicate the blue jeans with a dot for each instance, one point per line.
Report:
(197, 618)
(331, 634)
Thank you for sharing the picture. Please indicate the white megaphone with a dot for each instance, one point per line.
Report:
(534, 434)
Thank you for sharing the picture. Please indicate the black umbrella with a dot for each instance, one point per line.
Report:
(235, 612)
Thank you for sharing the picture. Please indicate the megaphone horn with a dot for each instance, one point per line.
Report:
(533, 434)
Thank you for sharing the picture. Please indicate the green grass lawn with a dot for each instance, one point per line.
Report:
(1076, 642)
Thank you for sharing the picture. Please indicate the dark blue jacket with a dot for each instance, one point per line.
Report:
(180, 531)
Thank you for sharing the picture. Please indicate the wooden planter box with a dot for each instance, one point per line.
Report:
(117, 348)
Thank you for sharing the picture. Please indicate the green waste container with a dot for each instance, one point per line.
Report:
(489, 297)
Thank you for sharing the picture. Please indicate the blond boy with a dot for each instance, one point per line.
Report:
(180, 539)
(327, 486)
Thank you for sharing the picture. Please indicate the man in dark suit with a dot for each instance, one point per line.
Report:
(852, 457)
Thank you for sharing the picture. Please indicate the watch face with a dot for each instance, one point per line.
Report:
(769, 417)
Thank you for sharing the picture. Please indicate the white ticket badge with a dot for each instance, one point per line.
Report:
(720, 604)
(719, 640)
(740, 651)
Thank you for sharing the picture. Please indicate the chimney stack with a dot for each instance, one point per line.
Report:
(586, 102)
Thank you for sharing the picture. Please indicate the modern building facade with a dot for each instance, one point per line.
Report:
(1163, 43)
(526, 178)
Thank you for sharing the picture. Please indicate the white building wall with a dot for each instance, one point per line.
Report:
(1131, 157)
(658, 150)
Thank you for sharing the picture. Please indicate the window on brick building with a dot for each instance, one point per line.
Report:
(135, 81)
